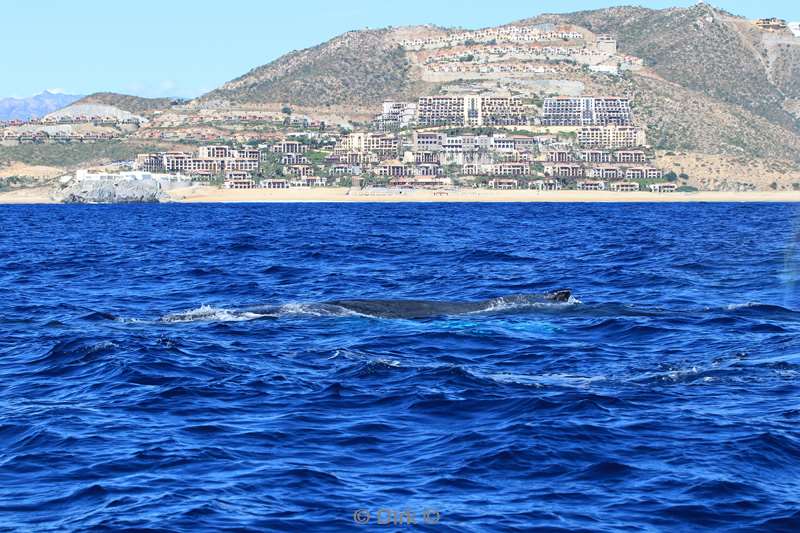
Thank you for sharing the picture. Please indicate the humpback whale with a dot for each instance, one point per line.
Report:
(408, 309)
(432, 308)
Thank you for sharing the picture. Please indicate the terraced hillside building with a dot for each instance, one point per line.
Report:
(586, 111)
(611, 137)
(395, 115)
(470, 111)
(209, 161)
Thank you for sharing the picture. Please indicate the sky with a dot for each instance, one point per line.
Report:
(185, 48)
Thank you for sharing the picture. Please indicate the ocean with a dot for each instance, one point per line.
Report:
(203, 367)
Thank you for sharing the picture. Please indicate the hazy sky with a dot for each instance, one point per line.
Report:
(187, 47)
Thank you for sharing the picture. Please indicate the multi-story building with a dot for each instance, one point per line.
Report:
(611, 137)
(564, 170)
(559, 156)
(605, 173)
(586, 111)
(595, 156)
(289, 147)
(625, 186)
(630, 156)
(380, 144)
(663, 187)
(470, 110)
(395, 115)
(638, 173)
(508, 168)
(210, 160)
(591, 185)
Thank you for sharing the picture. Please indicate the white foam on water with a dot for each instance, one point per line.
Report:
(314, 310)
(542, 380)
(734, 307)
(207, 313)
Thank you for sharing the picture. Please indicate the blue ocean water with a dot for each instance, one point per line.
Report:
(180, 368)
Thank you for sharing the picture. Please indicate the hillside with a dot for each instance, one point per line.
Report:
(135, 105)
(34, 106)
(705, 50)
(360, 68)
(701, 66)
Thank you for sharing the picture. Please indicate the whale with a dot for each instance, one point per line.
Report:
(416, 309)
(400, 309)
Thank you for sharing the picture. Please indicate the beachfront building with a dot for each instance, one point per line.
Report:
(591, 185)
(586, 111)
(644, 173)
(308, 181)
(663, 187)
(209, 161)
(239, 180)
(625, 186)
(421, 182)
(611, 137)
(274, 183)
(545, 185)
(564, 170)
(470, 110)
(393, 168)
(503, 183)
(506, 168)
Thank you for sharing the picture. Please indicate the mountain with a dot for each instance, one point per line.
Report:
(359, 68)
(710, 81)
(34, 106)
(706, 50)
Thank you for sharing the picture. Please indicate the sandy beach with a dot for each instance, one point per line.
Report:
(340, 194)
(202, 194)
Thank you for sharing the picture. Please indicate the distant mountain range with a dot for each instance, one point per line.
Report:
(34, 106)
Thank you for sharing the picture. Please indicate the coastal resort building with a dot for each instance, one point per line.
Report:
(209, 161)
(586, 111)
(470, 111)
(274, 183)
(663, 187)
(591, 185)
(239, 180)
(395, 116)
(503, 183)
(611, 137)
(545, 185)
(625, 186)
(421, 182)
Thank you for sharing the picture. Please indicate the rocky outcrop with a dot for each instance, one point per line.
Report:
(111, 191)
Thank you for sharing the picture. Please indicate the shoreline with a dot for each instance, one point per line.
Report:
(204, 194)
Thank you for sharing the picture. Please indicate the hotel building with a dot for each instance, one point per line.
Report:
(470, 110)
(611, 137)
(586, 111)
